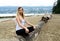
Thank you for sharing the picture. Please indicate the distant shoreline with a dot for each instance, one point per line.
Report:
(13, 15)
(4, 17)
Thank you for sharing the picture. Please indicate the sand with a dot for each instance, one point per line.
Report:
(7, 28)
(50, 31)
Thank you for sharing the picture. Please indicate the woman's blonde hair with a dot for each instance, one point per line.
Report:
(20, 14)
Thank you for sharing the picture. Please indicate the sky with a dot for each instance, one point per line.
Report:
(27, 2)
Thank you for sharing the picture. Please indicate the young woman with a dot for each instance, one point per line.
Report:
(21, 29)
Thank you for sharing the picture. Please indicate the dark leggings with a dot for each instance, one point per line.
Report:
(23, 33)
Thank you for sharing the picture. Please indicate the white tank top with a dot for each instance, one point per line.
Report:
(18, 27)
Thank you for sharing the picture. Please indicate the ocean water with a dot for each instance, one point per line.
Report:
(27, 9)
(11, 11)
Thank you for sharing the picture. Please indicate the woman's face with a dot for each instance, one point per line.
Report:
(20, 10)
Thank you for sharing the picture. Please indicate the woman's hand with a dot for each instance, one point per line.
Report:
(33, 26)
(26, 30)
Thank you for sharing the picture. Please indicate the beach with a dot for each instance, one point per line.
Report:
(8, 28)
(49, 32)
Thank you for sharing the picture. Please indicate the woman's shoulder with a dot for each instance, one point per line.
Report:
(18, 16)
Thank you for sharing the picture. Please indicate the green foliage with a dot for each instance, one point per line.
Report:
(56, 9)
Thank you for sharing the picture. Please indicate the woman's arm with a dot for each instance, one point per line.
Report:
(29, 23)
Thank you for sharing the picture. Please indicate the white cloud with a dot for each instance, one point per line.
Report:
(26, 2)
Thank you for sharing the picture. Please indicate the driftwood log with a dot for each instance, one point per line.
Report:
(33, 35)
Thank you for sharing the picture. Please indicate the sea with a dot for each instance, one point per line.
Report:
(28, 10)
